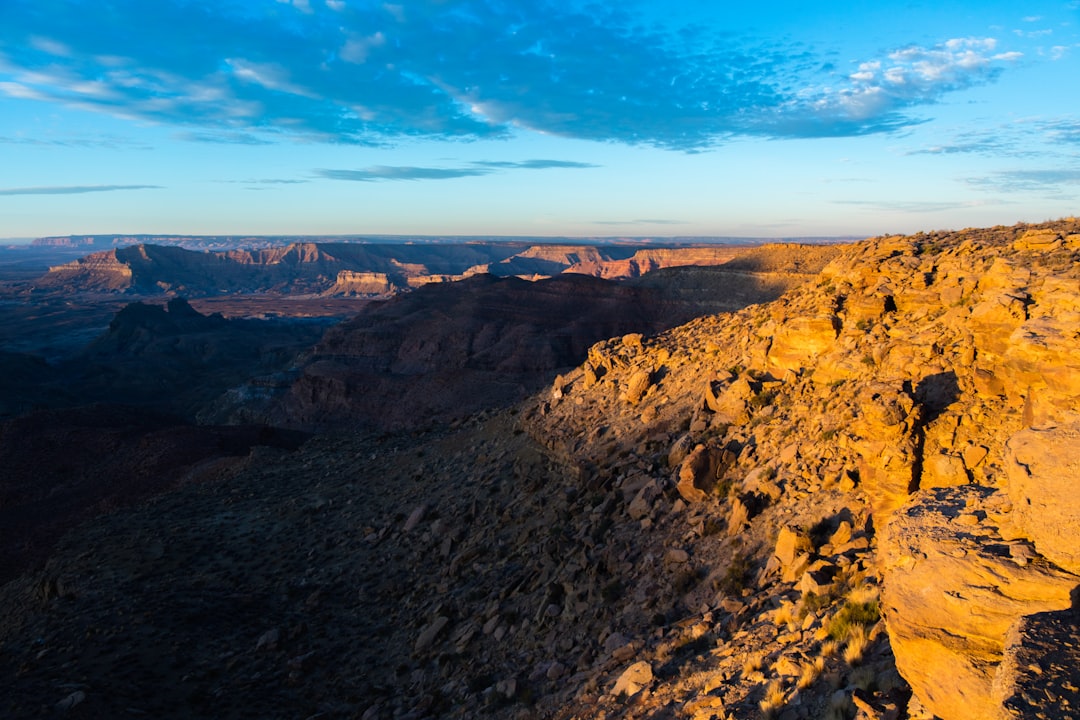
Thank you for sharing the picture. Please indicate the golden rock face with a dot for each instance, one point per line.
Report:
(930, 384)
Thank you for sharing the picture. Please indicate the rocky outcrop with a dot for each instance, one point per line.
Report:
(953, 589)
(1043, 471)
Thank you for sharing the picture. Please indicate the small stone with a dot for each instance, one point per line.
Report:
(633, 679)
(556, 670)
(268, 640)
(967, 519)
(71, 701)
(428, 635)
(415, 518)
(677, 556)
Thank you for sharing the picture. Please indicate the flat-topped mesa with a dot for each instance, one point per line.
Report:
(97, 272)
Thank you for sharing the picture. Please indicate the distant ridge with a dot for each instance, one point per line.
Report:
(230, 242)
(362, 269)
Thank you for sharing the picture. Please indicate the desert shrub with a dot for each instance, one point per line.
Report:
(773, 700)
(762, 398)
(811, 671)
(855, 614)
(734, 578)
(857, 642)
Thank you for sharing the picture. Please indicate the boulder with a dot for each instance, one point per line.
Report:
(638, 384)
(883, 434)
(634, 679)
(697, 474)
(1043, 469)
(800, 340)
(952, 592)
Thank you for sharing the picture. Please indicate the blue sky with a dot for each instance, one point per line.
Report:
(486, 117)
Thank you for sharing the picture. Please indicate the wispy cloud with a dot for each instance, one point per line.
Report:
(108, 142)
(373, 73)
(265, 181)
(73, 189)
(379, 173)
(1023, 138)
(531, 164)
(875, 96)
(641, 221)
(1051, 180)
(222, 138)
(911, 206)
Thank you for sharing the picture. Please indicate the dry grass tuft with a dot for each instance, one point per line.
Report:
(773, 700)
(752, 664)
(811, 671)
(830, 648)
(785, 616)
(858, 641)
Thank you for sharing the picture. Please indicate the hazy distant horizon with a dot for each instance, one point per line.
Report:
(371, 238)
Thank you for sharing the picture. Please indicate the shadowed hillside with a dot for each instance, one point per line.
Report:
(853, 501)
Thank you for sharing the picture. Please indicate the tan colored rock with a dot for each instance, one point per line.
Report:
(1042, 364)
(949, 598)
(884, 439)
(680, 449)
(790, 543)
(1041, 240)
(941, 470)
(634, 679)
(638, 384)
(800, 340)
(731, 405)
(697, 474)
(1043, 469)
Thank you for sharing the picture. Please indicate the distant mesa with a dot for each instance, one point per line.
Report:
(359, 269)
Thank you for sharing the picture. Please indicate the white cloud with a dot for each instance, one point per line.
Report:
(357, 49)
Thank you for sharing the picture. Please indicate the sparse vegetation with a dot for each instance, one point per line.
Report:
(858, 640)
(829, 648)
(773, 701)
(811, 671)
(785, 616)
(734, 579)
(858, 612)
(763, 398)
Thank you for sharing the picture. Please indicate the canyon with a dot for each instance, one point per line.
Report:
(806, 482)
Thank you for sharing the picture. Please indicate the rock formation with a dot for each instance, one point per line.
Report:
(371, 269)
(852, 501)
